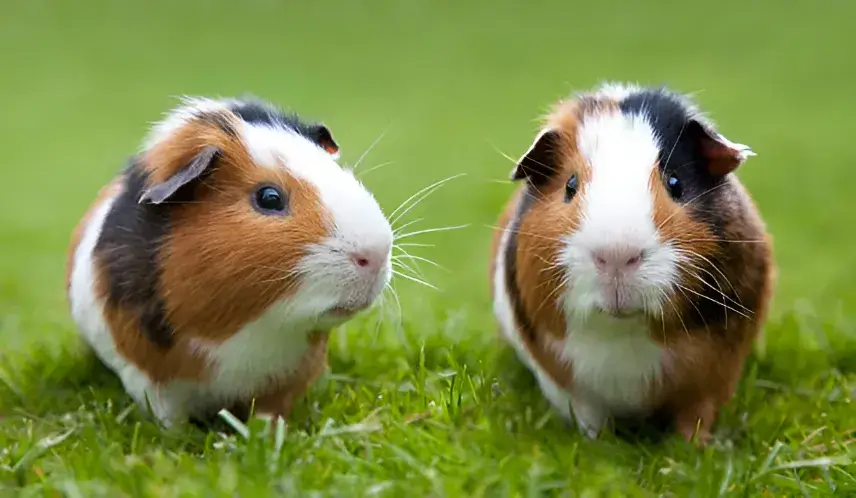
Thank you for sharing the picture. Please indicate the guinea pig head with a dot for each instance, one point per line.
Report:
(625, 201)
(260, 215)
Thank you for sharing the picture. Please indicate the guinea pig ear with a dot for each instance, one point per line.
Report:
(321, 135)
(540, 162)
(162, 191)
(723, 156)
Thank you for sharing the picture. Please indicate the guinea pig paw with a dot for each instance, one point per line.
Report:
(694, 423)
(590, 417)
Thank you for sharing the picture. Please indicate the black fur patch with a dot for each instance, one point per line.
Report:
(128, 246)
(526, 328)
(680, 155)
(255, 111)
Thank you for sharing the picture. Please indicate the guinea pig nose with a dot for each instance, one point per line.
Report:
(361, 260)
(368, 259)
(618, 259)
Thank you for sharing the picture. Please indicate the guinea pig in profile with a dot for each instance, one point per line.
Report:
(210, 271)
(631, 270)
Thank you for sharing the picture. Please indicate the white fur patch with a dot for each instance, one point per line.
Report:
(614, 360)
(86, 310)
(616, 91)
(617, 214)
(190, 108)
(270, 347)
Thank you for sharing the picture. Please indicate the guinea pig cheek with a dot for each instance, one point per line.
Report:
(691, 245)
(341, 279)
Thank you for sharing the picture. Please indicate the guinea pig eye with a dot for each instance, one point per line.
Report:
(269, 200)
(571, 188)
(674, 186)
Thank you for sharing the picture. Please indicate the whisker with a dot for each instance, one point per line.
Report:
(401, 206)
(404, 266)
(728, 241)
(430, 230)
(414, 279)
(663, 223)
(724, 295)
(402, 227)
(681, 132)
(712, 265)
(413, 244)
(503, 154)
(419, 258)
(372, 146)
(528, 234)
(373, 168)
(713, 300)
(561, 285)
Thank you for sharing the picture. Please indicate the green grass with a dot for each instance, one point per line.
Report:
(435, 407)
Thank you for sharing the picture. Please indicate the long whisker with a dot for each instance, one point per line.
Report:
(429, 230)
(414, 279)
(402, 227)
(724, 295)
(372, 146)
(419, 258)
(403, 266)
(674, 145)
(392, 216)
(528, 234)
(663, 223)
(413, 244)
(373, 168)
(710, 263)
(728, 241)
(713, 300)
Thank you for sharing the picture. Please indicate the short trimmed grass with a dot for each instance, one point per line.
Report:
(426, 402)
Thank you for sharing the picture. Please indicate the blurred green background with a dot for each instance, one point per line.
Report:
(451, 84)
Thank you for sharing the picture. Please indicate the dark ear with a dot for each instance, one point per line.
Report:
(723, 156)
(321, 135)
(161, 192)
(541, 161)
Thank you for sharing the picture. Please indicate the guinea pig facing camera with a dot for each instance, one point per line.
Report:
(617, 275)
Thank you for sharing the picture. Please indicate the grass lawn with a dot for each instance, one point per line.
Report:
(426, 402)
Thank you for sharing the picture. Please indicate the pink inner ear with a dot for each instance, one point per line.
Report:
(331, 149)
(722, 158)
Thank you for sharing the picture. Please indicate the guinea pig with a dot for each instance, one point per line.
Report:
(631, 271)
(209, 272)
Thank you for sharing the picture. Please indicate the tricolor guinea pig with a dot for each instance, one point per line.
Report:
(631, 270)
(210, 271)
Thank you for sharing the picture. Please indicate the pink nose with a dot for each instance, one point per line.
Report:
(618, 259)
(369, 260)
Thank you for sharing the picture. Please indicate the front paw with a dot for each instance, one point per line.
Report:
(590, 417)
(694, 422)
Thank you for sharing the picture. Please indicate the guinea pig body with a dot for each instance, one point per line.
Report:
(209, 272)
(630, 270)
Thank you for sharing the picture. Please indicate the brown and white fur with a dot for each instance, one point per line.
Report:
(209, 272)
(630, 270)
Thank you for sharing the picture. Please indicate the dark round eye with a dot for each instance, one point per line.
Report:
(676, 189)
(571, 188)
(269, 200)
